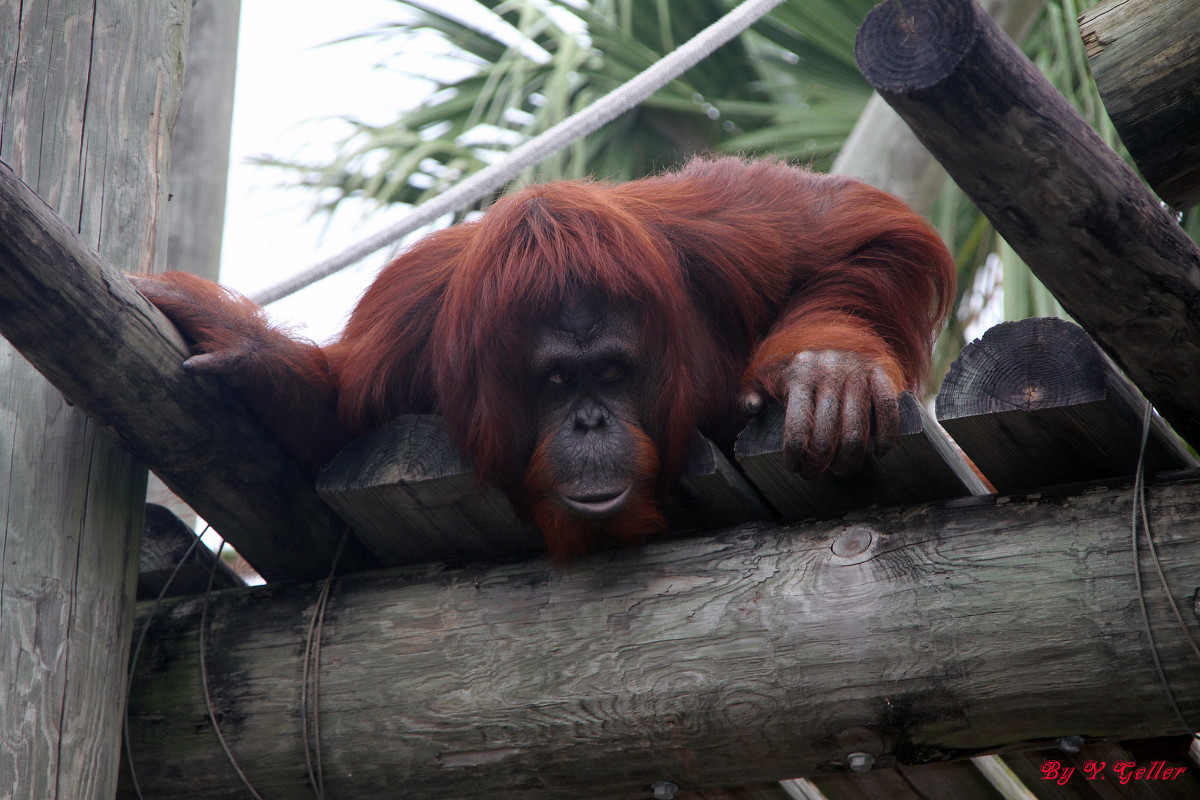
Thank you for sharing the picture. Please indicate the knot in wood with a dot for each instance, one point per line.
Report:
(852, 543)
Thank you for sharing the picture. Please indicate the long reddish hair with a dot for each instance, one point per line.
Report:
(733, 267)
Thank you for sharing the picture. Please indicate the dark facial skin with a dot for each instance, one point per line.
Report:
(586, 376)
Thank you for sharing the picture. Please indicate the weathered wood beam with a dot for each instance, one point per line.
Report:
(88, 92)
(884, 152)
(1145, 57)
(87, 330)
(1079, 216)
(1035, 402)
(166, 540)
(759, 654)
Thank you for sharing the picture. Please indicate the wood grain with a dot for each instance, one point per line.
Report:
(1036, 403)
(87, 95)
(1145, 57)
(765, 653)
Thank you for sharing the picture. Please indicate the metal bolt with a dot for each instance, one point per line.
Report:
(860, 762)
(664, 790)
(1070, 744)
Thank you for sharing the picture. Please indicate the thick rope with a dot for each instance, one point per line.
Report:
(575, 127)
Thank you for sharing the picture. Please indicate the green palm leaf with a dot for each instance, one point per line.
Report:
(788, 87)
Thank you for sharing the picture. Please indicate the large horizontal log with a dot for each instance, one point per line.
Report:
(763, 653)
(83, 325)
(1079, 216)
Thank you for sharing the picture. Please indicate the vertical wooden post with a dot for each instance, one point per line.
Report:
(200, 142)
(200, 162)
(88, 92)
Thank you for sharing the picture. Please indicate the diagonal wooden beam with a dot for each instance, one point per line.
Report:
(83, 325)
(1071, 208)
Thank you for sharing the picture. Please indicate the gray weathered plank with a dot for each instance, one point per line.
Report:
(88, 91)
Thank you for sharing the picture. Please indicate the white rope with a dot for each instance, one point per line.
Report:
(574, 127)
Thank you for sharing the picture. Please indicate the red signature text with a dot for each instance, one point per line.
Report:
(1121, 771)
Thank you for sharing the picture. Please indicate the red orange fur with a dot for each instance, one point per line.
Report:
(735, 267)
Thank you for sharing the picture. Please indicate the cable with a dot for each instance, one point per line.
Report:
(571, 129)
(1139, 514)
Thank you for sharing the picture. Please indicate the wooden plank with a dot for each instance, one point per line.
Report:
(711, 493)
(411, 499)
(88, 91)
(923, 466)
(753, 655)
(1145, 57)
(1035, 403)
(1075, 213)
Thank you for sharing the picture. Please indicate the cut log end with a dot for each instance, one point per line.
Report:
(936, 37)
(1025, 366)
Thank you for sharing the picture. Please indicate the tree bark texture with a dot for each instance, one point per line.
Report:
(88, 91)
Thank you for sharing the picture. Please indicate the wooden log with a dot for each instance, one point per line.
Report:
(923, 466)
(884, 152)
(757, 654)
(412, 499)
(1076, 214)
(200, 142)
(85, 328)
(1145, 57)
(1035, 403)
(70, 499)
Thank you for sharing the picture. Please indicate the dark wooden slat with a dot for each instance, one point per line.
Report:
(1036, 403)
(412, 499)
(710, 492)
(923, 466)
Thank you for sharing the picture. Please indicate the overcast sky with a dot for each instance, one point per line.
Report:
(286, 78)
